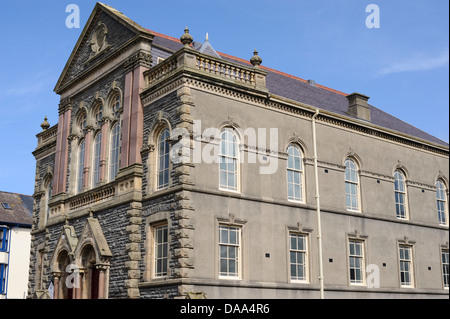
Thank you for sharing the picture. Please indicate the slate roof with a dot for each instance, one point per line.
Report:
(21, 209)
(297, 89)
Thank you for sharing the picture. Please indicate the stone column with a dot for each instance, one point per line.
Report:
(102, 268)
(56, 283)
(133, 249)
(103, 154)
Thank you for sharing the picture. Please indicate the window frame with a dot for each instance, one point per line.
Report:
(304, 251)
(295, 172)
(4, 232)
(3, 278)
(166, 158)
(96, 159)
(81, 153)
(398, 193)
(361, 257)
(114, 151)
(227, 157)
(445, 268)
(227, 275)
(404, 261)
(442, 204)
(355, 182)
(156, 256)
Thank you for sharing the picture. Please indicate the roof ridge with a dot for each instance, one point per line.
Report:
(261, 66)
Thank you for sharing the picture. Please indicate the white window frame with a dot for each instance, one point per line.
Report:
(400, 191)
(229, 247)
(225, 159)
(441, 202)
(354, 255)
(303, 252)
(406, 261)
(295, 174)
(445, 268)
(352, 189)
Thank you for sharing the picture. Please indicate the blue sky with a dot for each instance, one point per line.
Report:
(403, 65)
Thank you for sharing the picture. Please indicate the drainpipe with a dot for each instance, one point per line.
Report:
(317, 196)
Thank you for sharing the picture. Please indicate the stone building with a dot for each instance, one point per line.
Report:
(176, 169)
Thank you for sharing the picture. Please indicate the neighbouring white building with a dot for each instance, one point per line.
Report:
(15, 240)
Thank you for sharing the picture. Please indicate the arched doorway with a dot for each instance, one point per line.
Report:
(64, 291)
(91, 273)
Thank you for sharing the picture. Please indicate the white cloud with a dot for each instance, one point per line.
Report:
(417, 63)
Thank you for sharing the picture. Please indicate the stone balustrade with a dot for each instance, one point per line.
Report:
(194, 62)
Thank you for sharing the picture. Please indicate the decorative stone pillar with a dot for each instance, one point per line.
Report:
(133, 249)
(102, 268)
(56, 283)
(133, 113)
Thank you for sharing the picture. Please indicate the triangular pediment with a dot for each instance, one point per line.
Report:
(67, 241)
(92, 234)
(106, 32)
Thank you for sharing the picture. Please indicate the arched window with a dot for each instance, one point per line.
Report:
(83, 122)
(351, 185)
(80, 169)
(96, 159)
(295, 174)
(115, 105)
(114, 157)
(441, 199)
(48, 196)
(400, 195)
(163, 149)
(99, 114)
(228, 159)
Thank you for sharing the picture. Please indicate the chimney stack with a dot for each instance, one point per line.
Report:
(358, 106)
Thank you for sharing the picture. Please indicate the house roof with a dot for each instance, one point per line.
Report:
(322, 97)
(21, 209)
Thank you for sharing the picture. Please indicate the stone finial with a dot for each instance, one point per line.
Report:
(186, 38)
(45, 125)
(255, 60)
